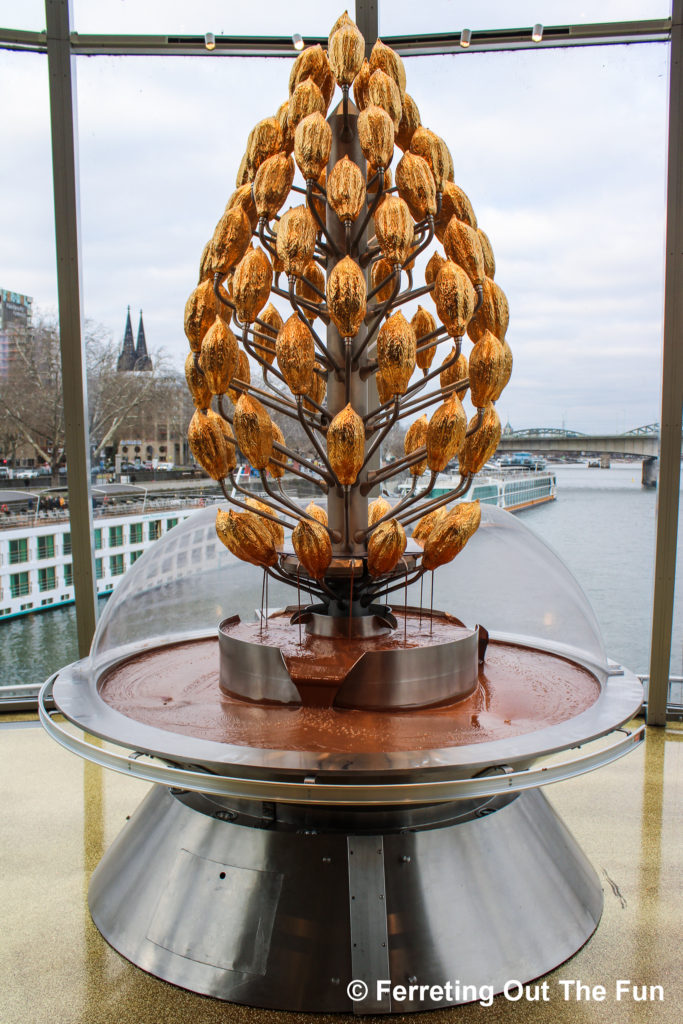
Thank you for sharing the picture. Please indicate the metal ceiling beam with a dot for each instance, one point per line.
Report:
(555, 36)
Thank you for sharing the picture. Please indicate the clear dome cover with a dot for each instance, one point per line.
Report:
(506, 579)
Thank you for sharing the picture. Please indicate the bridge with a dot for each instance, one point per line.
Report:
(641, 441)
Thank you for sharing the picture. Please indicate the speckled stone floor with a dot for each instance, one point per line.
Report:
(60, 814)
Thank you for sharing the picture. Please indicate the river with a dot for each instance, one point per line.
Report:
(602, 525)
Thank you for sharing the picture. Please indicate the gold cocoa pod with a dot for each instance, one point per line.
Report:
(455, 298)
(218, 357)
(487, 250)
(287, 130)
(410, 122)
(345, 52)
(376, 135)
(486, 370)
(253, 430)
(276, 530)
(493, 314)
(507, 369)
(341, 21)
(312, 143)
(265, 139)
(311, 63)
(347, 297)
(372, 188)
(396, 352)
(449, 537)
(481, 445)
(270, 325)
(346, 445)
(295, 351)
(360, 87)
(383, 92)
(242, 197)
(317, 389)
(377, 510)
(382, 270)
(201, 309)
(197, 383)
(311, 273)
(427, 144)
(246, 536)
(416, 185)
(306, 99)
(312, 545)
(384, 392)
(242, 375)
(208, 435)
(383, 58)
(455, 373)
(278, 438)
(445, 434)
(436, 261)
(316, 512)
(423, 323)
(346, 189)
(454, 203)
(272, 183)
(251, 284)
(394, 229)
(463, 247)
(385, 547)
(230, 240)
(296, 239)
(416, 437)
(244, 174)
(206, 270)
(427, 523)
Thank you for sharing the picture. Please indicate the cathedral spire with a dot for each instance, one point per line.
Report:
(142, 360)
(126, 361)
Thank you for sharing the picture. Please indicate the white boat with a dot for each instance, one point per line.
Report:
(506, 489)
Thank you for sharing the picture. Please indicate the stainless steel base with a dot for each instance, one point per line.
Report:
(282, 907)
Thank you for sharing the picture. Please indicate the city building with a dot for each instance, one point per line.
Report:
(15, 322)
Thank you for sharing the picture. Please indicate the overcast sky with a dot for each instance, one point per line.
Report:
(562, 152)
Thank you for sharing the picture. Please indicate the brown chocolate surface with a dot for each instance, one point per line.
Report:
(176, 688)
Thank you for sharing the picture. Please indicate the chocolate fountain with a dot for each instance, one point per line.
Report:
(347, 786)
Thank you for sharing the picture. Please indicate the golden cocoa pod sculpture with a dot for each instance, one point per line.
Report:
(253, 431)
(384, 392)
(242, 197)
(295, 351)
(449, 537)
(246, 536)
(311, 273)
(242, 375)
(428, 522)
(385, 547)
(410, 122)
(416, 186)
(394, 228)
(197, 383)
(346, 189)
(347, 297)
(306, 99)
(270, 325)
(480, 445)
(373, 182)
(208, 439)
(454, 373)
(493, 314)
(251, 284)
(507, 370)
(296, 239)
(454, 203)
(423, 323)
(383, 58)
(383, 92)
(396, 352)
(272, 184)
(278, 438)
(276, 530)
(376, 135)
(346, 52)
(312, 545)
(230, 240)
(427, 144)
(311, 63)
(317, 390)
(445, 434)
(487, 250)
(360, 87)
(486, 370)
(346, 445)
(377, 510)
(434, 265)
(382, 270)
(316, 512)
(312, 142)
(264, 141)
(341, 21)
(201, 310)
(218, 357)
(463, 247)
(416, 437)
(455, 298)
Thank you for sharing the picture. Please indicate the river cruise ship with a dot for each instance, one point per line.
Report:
(506, 489)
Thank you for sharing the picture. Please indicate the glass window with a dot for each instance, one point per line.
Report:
(116, 566)
(136, 533)
(66, 544)
(170, 523)
(46, 547)
(154, 529)
(68, 575)
(98, 569)
(47, 578)
(115, 536)
(19, 585)
(134, 555)
(98, 539)
(18, 551)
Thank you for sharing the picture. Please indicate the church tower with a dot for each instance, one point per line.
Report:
(142, 360)
(126, 361)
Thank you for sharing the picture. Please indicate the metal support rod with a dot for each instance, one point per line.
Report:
(62, 76)
(672, 397)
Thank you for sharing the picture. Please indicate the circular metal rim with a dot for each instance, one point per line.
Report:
(77, 698)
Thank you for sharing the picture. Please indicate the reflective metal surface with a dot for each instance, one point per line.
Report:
(262, 916)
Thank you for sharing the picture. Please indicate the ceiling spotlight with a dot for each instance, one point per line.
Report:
(298, 41)
(537, 33)
(210, 41)
(465, 37)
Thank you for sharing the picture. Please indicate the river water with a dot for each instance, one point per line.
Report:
(602, 526)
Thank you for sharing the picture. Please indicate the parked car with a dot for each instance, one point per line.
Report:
(25, 474)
